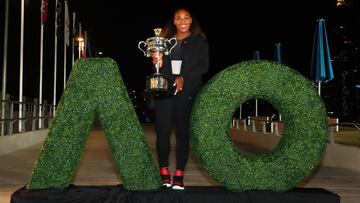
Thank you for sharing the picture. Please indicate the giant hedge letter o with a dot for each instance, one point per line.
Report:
(300, 148)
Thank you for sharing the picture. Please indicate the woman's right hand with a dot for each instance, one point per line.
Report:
(157, 59)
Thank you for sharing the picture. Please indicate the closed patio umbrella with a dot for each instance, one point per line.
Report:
(321, 67)
(277, 53)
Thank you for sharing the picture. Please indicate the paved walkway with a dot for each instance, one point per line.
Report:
(97, 168)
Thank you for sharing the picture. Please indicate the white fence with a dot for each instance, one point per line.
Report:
(34, 116)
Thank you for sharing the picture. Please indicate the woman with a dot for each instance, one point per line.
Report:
(193, 51)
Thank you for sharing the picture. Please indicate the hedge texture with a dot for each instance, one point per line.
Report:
(304, 117)
(95, 89)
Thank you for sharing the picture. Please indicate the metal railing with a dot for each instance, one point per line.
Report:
(259, 124)
(335, 127)
(266, 125)
(35, 116)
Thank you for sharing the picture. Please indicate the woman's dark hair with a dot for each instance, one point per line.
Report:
(170, 29)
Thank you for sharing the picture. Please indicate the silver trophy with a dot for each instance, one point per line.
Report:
(157, 85)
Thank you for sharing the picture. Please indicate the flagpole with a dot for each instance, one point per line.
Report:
(65, 43)
(73, 40)
(257, 58)
(20, 127)
(278, 60)
(55, 57)
(4, 67)
(256, 107)
(85, 43)
(240, 112)
(41, 67)
(80, 37)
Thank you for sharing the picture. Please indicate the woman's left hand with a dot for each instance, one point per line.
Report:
(179, 83)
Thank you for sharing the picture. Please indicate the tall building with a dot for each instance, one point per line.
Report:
(345, 49)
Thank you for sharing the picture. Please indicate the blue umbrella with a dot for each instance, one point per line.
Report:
(256, 55)
(277, 53)
(321, 68)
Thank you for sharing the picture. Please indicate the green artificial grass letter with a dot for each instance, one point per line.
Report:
(95, 89)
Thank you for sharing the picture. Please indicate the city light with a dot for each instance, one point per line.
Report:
(340, 2)
(81, 45)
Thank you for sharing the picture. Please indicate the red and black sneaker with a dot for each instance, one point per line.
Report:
(178, 183)
(165, 176)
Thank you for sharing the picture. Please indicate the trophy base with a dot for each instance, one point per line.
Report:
(157, 87)
(156, 94)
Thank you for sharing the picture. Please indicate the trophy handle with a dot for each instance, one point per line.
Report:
(139, 46)
(168, 52)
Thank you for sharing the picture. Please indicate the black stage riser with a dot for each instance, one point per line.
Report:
(192, 194)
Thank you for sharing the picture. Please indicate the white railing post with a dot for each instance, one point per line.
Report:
(337, 125)
(245, 125)
(276, 128)
(11, 122)
(44, 113)
(35, 113)
(331, 136)
(264, 127)
(253, 125)
(22, 127)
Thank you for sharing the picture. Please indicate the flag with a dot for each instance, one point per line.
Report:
(83, 53)
(67, 25)
(73, 39)
(74, 25)
(44, 11)
(58, 16)
(89, 49)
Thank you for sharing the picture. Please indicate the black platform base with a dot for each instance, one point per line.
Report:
(118, 194)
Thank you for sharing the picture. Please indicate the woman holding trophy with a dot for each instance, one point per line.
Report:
(184, 67)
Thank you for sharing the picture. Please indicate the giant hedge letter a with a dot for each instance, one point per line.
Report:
(95, 89)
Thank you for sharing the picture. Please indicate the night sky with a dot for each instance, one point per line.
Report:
(235, 29)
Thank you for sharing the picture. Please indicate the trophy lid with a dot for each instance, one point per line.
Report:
(157, 38)
(157, 31)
